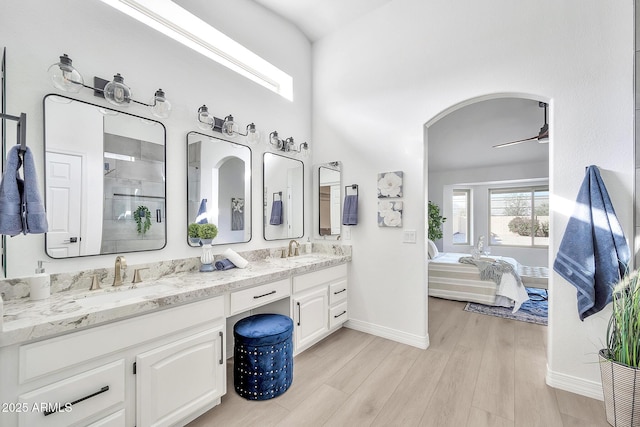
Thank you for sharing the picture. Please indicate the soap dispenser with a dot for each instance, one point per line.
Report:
(307, 246)
(39, 284)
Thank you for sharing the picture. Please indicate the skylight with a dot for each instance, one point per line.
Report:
(186, 28)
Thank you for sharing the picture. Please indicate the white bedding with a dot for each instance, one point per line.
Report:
(449, 278)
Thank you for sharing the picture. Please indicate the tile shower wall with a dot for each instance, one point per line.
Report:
(143, 186)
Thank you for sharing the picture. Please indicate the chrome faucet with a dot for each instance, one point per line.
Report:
(297, 252)
(121, 264)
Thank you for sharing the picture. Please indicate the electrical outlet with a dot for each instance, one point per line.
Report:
(409, 236)
(346, 233)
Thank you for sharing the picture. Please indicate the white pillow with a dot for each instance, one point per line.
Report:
(432, 249)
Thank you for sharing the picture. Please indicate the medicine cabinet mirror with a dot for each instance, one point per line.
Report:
(219, 187)
(329, 199)
(283, 197)
(104, 180)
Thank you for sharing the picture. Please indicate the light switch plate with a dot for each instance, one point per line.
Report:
(409, 236)
(346, 233)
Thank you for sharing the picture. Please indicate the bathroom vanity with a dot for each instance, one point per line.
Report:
(156, 354)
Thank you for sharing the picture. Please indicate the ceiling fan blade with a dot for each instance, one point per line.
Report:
(506, 144)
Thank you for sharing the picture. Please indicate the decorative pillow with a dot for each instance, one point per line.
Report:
(432, 250)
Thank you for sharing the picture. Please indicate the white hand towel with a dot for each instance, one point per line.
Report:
(235, 258)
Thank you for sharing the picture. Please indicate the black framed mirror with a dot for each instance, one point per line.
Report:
(283, 197)
(219, 187)
(104, 180)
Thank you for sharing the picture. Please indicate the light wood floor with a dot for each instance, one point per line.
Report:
(478, 371)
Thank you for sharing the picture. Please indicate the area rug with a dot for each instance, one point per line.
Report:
(533, 311)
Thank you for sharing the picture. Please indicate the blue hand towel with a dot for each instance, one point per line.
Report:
(224, 264)
(33, 214)
(350, 210)
(276, 213)
(201, 218)
(593, 254)
(11, 190)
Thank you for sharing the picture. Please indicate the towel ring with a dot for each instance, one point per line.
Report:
(353, 187)
(279, 194)
(22, 129)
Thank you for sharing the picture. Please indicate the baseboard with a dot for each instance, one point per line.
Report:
(592, 389)
(388, 333)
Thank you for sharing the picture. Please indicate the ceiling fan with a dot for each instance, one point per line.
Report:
(542, 136)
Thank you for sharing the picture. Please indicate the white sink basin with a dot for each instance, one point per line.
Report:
(118, 295)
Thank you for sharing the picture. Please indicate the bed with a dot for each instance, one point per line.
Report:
(451, 279)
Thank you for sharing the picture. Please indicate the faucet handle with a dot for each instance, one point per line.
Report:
(136, 275)
(297, 252)
(284, 253)
(95, 283)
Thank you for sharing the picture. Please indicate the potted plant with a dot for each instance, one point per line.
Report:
(142, 217)
(620, 360)
(435, 222)
(192, 232)
(207, 232)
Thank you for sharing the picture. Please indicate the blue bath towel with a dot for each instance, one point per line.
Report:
(201, 218)
(34, 215)
(276, 213)
(593, 254)
(21, 207)
(350, 210)
(224, 264)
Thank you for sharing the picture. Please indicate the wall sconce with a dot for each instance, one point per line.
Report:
(288, 145)
(65, 77)
(227, 127)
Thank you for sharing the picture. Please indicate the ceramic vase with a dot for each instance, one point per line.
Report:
(207, 256)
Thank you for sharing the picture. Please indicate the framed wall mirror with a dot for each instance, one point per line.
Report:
(104, 180)
(329, 199)
(219, 187)
(283, 196)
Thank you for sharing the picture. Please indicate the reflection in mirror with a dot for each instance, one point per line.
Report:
(104, 180)
(219, 187)
(283, 197)
(329, 199)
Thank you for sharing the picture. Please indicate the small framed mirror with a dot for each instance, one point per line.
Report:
(104, 180)
(219, 187)
(329, 199)
(283, 179)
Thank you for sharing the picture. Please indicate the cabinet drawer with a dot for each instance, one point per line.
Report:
(321, 277)
(76, 398)
(254, 297)
(116, 419)
(338, 291)
(338, 315)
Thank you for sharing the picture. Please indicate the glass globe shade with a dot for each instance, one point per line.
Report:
(64, 77)
(205, 120)
(229, 127)
(116, 92)
(253, 136)
(161, 107)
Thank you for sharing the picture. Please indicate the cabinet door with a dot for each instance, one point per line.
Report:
(179, 379)
(310, 316)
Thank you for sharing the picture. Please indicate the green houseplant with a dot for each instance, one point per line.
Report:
(435, 222)
(620, 360)
(142, 217)
(207, 232)
(192, 232)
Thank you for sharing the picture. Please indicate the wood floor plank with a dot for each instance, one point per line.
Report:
(316, 409)
(445, 332)
(364, 404)
(481, 418)
(407, 404)
(496, 380)
(356, 371)
(581, 408)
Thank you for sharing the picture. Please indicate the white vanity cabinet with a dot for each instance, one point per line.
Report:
(161, 368)
(318, 305)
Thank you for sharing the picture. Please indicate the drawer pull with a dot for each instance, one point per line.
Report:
(264, 295)
(298, 313)
(339, 292)
(338, 315)
(221, 335)
(102, 390)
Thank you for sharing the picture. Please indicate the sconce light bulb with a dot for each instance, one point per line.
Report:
(305, 150)
(64, 77)
(161, 107)
(229, 127)
(116, 92)
(274, 141)
(253, 136)
(205, 120)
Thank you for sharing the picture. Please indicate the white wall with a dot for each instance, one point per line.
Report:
(102, 41)
(378, 80)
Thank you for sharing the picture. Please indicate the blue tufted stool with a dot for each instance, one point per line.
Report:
(263, 356)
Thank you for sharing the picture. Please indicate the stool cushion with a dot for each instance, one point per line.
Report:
(263, 329)
(263, 356)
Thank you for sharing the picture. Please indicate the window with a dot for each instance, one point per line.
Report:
(461, 217)
(519, 217)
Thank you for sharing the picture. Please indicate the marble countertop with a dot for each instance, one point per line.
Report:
(25, 320)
